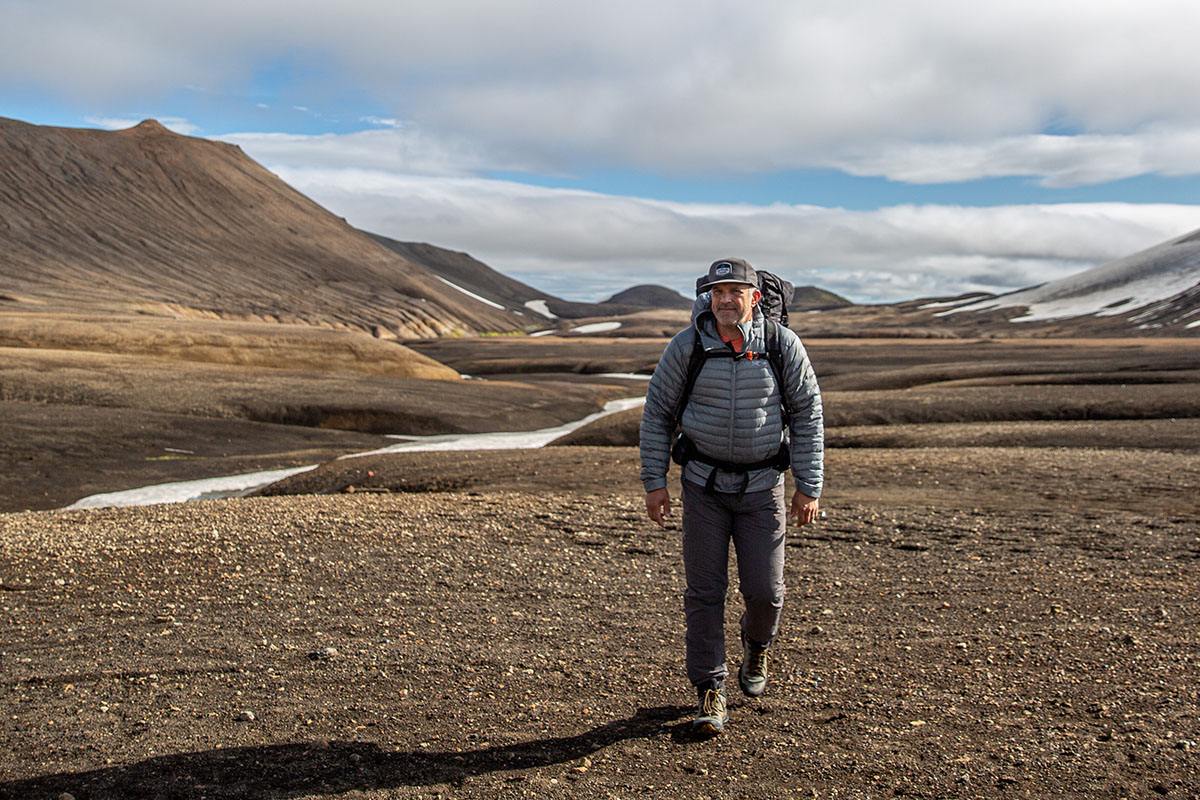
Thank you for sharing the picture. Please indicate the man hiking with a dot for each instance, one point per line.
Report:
(753, 409)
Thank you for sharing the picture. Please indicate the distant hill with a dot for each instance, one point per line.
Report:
(146, 219)
(650, 296)
(809, 298)
(1154, 290)
(467, 273)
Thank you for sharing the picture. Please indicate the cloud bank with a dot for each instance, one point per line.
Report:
(586, 246)
(922, 91)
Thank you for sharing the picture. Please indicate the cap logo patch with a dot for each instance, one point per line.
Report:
(723, 269)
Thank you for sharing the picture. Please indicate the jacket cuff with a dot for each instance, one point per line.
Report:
(808, 489)
(654, 484)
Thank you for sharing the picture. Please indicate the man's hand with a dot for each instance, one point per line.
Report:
(804, 509)
(658, 506)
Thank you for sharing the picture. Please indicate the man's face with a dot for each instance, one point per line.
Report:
(733, 303)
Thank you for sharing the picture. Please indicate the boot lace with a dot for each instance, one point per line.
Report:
(711, 703)
(756, 664)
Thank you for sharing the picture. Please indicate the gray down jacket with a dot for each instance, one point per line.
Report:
(734, 413)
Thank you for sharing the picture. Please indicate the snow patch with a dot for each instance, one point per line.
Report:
(950, 303)
(241, 485)
(185, 491)
(1154, 275)
(597, 327)
(540, 307)
(470, 294)
(505, 440)
(1101, 302)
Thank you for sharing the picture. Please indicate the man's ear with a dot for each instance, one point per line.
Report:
(755, 297)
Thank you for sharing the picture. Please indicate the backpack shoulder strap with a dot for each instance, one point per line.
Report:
(775, 356)
(700, 355)
(695, 364)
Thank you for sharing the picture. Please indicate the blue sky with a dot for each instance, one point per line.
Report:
(883, 150)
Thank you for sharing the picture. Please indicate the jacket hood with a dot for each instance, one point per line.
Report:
(702, 306)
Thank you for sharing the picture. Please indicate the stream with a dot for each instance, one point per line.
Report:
(241, 485)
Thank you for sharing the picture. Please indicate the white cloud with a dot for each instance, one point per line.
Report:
(1059, 161)
(925, 88)
(587, 246)
(384, 122)
(405, 149)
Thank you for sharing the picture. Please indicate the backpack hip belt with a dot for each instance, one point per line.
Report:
(685, 450)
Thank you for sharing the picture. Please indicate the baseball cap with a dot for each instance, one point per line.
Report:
(728, 270)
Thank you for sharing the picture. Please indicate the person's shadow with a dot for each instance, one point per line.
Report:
(289, 770)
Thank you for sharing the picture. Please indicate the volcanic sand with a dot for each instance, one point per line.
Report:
(991, 608)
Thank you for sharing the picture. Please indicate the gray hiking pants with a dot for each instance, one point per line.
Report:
(757, 524)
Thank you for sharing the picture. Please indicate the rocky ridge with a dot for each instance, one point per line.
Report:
(148, 221)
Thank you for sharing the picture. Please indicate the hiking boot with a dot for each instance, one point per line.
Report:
(752, 675)
(712, 715)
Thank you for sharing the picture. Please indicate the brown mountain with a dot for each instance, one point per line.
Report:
(809, 298)
(650, 296)
(467, 272)
(146, 219)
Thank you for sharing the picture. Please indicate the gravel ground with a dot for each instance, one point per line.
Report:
(1001, 605)
(491, 644)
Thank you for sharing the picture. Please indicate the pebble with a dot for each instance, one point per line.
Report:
(246, 716)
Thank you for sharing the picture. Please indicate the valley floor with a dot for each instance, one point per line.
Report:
(999, 603)
(957, 626)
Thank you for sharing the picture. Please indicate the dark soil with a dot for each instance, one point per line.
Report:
(996, 607)
(513, 644)
(57, 454)
(75, 423)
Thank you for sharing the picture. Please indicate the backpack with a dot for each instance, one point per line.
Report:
(776, 294)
